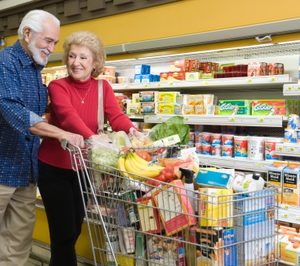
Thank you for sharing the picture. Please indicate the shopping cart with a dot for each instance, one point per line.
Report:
(132, 223)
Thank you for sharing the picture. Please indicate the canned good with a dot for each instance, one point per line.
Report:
(216, 139)
(198, 147)
(240, 146)
(216, 150)
(256, 148)
(227, 150)
(227, 139)
(205, 137)
(206, 148)
(270, 148)
(290, 135)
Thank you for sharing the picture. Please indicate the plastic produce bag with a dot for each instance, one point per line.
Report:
(103, 153)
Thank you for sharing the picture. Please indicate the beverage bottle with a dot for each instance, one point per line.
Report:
(187, 176)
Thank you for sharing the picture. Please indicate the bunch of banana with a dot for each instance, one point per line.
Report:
(136, 167)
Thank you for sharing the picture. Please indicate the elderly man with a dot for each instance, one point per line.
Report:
(23, 100)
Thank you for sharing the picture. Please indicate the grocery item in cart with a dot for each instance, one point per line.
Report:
(216, 207)
(221, 178)
(174, 207)
(148, 214)
(161, 251)
(103, 153)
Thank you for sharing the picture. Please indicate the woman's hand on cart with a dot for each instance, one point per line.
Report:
(71, 138)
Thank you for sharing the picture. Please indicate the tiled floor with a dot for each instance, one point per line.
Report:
(32, 262)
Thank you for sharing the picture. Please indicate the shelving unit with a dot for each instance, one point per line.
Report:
(237, 120)
(288, 149)
(292, 89)
(289, 214)
(233, 83)
(241, 164)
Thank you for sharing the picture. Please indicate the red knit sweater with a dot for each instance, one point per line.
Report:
(68, 113)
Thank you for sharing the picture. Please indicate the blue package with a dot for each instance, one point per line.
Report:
(230, 252)
(213, 178)
(142, 69)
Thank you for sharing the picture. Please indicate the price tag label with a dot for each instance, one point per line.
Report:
(249, 81)
(273, 79)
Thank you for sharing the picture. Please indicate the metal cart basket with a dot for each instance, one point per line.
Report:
(134, 224)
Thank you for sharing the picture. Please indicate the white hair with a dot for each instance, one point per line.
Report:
(34, 19)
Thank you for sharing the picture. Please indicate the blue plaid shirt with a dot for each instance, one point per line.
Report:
(23, 99)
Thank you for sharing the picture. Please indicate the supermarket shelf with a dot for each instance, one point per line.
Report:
(235, 82)
(289, 214)
(242, 164)
(136, 117)
(238, 120)
(288, 149)
(291, 89)
(282, 262)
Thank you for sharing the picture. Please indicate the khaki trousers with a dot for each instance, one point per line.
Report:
(17, 217)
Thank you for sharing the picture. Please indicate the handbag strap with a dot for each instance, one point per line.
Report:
(100, 107)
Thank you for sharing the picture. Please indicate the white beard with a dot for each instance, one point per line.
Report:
(36, 54)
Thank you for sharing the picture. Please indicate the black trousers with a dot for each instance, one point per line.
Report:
(62, 199)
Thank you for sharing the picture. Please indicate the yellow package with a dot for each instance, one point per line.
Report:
(216, 207)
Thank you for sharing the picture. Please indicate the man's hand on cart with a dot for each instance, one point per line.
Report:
(71, 138)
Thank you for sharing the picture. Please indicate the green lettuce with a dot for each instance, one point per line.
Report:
(172, 126)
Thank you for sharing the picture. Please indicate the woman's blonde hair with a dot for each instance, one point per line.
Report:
(90, 41)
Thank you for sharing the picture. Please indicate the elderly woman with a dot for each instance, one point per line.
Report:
(74, 107)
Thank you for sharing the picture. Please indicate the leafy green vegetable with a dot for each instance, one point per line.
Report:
(103, 159)
(172, 126)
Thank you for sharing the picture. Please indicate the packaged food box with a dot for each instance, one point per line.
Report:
(190, 76)
(211, 246)
(169, 108)
(168, 97)
(163, 251)
(221, 178)
(147, 107)
(269, 107)
(133, 108)
(229, 107)
(180, 75)
(147, 96)
(149, 217)
(291, 186)
(275, 176)
(182, 64)
(188, 109)
(142, 69)
(257, 69)
(215, 207)
(254, 219)
(174, 206)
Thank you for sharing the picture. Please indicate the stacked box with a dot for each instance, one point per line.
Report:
(147, 100)
(169, 102)
(199, 104)
(254, 220)
(231, 107)
(269, 107)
